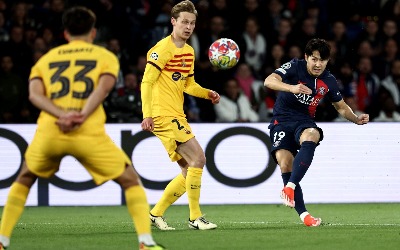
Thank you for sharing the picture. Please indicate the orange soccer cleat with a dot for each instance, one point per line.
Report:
(287, 196)
(310, 221)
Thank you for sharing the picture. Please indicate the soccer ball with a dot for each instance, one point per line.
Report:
(224, 53)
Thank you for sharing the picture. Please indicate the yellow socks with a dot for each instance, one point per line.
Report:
(175, 189)
(138, 208)
(193, 185)
(13, 209)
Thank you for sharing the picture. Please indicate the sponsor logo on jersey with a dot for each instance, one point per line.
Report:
(154, 56)
(176, 76)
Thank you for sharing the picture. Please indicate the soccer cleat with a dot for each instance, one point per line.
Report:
(287, 196)
(310, 221)
(201, 224)
(160, 223)
(142, 246)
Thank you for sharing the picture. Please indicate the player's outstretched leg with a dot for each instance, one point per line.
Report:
(175, 189)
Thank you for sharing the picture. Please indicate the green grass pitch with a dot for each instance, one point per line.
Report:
(346, 226)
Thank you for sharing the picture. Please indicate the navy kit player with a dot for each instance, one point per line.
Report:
(302, 84)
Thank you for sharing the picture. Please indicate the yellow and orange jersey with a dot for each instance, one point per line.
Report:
(169, 73)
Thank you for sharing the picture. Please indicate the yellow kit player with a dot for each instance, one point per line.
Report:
(169, 74)
(69, 84)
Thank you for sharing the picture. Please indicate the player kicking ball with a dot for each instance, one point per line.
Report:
(302, 84)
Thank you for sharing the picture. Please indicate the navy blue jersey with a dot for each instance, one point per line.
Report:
(289, 106)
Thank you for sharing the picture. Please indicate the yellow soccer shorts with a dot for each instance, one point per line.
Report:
(98, 154)
(172, 132)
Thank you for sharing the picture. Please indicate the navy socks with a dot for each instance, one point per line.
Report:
(298, 194)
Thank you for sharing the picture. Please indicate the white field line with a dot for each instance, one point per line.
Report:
(232, 222)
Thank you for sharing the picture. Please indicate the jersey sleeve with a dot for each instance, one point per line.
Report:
(334, 94)
(110, 64)
(287, 70)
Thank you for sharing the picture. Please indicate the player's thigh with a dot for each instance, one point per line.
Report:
(308, 131)
(192, 152)
(44, 154)
(282, 137)
(172, 132)
(101, 157)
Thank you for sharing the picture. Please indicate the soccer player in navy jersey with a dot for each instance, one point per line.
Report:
(294, 134)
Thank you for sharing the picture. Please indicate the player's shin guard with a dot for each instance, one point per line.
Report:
(298, 194)
(138, 207)
(193, 185)
(175, 189)
(13, 208)
(302, 161)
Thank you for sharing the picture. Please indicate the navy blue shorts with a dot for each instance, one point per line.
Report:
(286, 135)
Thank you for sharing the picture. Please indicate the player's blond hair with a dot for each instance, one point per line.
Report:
(184, 6)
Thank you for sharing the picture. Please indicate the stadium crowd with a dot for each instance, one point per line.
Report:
(364, 37)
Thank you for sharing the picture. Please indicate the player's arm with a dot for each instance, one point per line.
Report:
(150, 76)
(344, 110)
(37, 96)
(194, 89)
(96, 98)
(274, 82)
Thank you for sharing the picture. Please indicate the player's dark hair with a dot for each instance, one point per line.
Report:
(78, 20)
(320, 45)
(184, 6)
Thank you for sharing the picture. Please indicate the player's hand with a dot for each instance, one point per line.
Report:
(300, 89)
(214, 97)
(70, 121)
(362, 119)
(148, 124)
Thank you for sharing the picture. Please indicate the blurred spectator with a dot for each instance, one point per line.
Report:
(275, 59)
(242, 11)
(392, 82)
(124, 59)
(250, 86)
(19, 51)
(13, 94)
(390, 31)
(388, 111)
(305, 32)
(283, 35)
(339, 35)
(255, 46)
(383, 62)
(366, 86)
(234, 106)
(372, 35)
(125, 105)
(162, 24)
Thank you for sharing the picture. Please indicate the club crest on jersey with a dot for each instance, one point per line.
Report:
(176, 76)
(322, 90)
(154, 56)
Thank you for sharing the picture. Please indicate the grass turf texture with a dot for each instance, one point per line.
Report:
(346, 226)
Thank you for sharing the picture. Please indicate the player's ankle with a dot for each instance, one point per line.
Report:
(291, 185)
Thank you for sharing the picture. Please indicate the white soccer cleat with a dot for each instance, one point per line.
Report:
(201, 224)
(160, 223)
